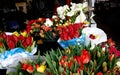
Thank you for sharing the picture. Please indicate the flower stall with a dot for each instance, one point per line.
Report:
(66, 45)
(47, 31)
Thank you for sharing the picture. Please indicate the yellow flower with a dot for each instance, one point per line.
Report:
(68, 51)
(24, 33)
(16, 33)
(41, 68)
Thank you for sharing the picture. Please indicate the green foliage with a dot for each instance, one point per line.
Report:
(98, 58)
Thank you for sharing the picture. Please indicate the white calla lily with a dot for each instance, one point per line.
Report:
(62, 11)
(99, 36)
(76, 7)
(71, 13)
(84, 5)
(48, 22)
(80, 18)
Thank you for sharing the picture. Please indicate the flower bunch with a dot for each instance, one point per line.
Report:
(75, 13)
(71, 31)
(82, 60)
(43, 28)
(30, 66)
(13, 40)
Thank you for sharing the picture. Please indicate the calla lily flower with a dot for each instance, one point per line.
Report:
(84, 5)
(94, 36)
(62, 11)
(80, 18)
(76, 7)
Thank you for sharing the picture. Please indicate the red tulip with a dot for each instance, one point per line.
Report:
(37, 65)
(78, 59)
(24, 44)
(1, 44)
(99, 73)
(85, 57)
(24, 66)
(111, 57)
(30, 68)
(81, 68)
(70, 63)
(29, 40)
(21, 38)
(11, 44)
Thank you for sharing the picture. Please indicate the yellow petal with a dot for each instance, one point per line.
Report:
(24, 33)
(41, 68)
(16, 33)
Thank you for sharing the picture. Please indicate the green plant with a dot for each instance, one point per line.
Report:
(82, 60)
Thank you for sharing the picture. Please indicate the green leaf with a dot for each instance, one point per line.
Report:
(61, 70)
(38, 73)
(39, 60)
(49, 62)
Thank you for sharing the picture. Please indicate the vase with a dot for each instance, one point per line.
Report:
(48, 45)
(3, 71)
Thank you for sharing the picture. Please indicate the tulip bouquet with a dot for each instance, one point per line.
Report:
(71, 35)
(14, 46)
(103, 59)
(30, 66)
(43, 28)
(13, 40)
(75, 20)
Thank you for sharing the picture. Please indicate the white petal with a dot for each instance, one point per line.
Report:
(48, 22)
(80, 18)
(102, 37)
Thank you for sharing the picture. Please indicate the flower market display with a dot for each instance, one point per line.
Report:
(85, 50)
(68, 20)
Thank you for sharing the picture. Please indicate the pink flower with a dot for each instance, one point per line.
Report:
(113, 50)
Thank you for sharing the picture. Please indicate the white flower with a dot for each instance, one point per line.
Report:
(76, 7)
(48, 22)
(99, 36)
(71, 13)
(54, 16)
(80, 18)
(62, 11)
(118, 63)
(84, 5)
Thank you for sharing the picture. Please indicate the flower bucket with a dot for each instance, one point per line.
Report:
(47, 45)
(76, 41)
